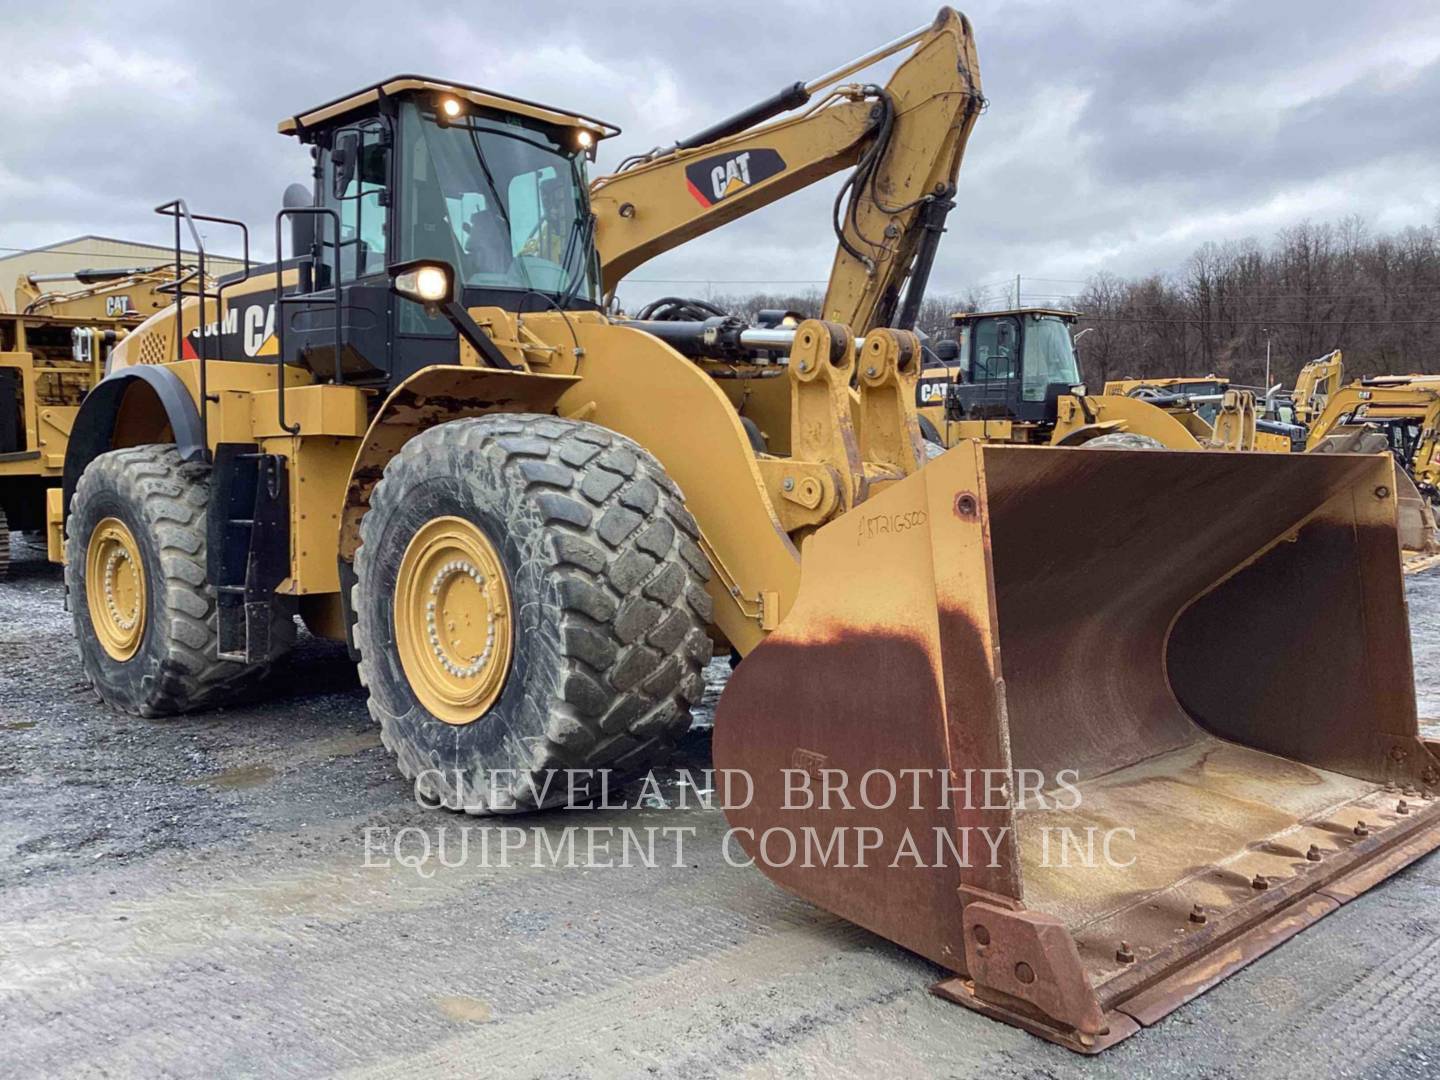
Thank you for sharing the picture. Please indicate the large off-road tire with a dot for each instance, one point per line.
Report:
(530, 599)
(4, 545)
(1123, 440)
(933, 444)
(145, 614)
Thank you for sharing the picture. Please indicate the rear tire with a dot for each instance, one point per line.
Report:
(603, 601)
(1123, 440)
(148, 508)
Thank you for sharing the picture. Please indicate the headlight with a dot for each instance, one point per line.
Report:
(584, 139)
(427, 283)
(450, 107)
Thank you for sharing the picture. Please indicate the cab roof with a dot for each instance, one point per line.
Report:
(422, 84)
(963, 316)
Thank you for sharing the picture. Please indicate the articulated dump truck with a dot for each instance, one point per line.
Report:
(1132, 748)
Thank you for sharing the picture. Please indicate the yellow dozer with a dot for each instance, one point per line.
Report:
(530, 521)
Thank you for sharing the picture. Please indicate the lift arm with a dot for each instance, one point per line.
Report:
(905, 141)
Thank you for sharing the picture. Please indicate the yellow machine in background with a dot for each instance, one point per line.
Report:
(1398, 415)
(530, 520)
(1314, 385)
(1012, 377)
(51, 352)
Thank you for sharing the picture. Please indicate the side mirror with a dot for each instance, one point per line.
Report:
(344, 159)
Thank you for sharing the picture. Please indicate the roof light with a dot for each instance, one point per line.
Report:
(584, 139)
(450, 107)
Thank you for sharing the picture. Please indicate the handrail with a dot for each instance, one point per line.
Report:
(177, 209)
(282, 301)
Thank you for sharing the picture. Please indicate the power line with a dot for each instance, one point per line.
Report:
(1200, 323)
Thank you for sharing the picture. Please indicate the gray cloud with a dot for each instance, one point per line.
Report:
(1118, 137)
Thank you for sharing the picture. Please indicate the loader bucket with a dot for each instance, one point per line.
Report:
(1090, 729)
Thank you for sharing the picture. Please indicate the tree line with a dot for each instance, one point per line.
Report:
(1311, 289)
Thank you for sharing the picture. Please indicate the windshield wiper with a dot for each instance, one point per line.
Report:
(582, 231)
(499, 202)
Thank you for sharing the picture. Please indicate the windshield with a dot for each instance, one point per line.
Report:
(503, 202)
(1049, 356)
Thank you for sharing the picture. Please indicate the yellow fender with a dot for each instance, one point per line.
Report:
(432, 396)
(1081, 419)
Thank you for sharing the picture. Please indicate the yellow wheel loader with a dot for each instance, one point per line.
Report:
(529, 520)
(1012, 377)
(52, 351)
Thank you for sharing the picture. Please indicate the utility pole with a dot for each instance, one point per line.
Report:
(1017, 292)
(1266, 331)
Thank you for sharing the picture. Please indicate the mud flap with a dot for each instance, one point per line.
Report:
(1203, 736)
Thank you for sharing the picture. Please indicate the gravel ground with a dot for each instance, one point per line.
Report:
(220, 895)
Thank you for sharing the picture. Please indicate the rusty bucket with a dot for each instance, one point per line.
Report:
(1090, 729)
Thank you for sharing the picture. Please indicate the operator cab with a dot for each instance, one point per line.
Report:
(1012, 365)
(478, 198)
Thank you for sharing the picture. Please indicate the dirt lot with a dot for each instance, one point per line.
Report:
(221, 895)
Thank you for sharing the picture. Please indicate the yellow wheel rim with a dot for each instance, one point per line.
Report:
(453, 619)
(115, 588)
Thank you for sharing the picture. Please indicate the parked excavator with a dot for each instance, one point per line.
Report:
(1397, 415)
(529, 521)
(52, 350)
(1314, 385)
(657, 201)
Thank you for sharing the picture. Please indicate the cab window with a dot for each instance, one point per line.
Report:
(354, 182)
(995, 350)
(1049, 357)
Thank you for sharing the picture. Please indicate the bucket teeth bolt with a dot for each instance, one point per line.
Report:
(1260, 882)
(1197, 914)
(1402, 807)
(1361, 829)
(1313, 855)
(1123, 954)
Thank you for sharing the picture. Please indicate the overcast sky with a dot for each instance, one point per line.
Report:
(1119, 135)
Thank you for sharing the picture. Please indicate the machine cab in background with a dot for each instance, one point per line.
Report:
(490, 189)
(1012, 365)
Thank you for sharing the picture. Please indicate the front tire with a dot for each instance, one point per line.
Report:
(135, 569)
(529, 600)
